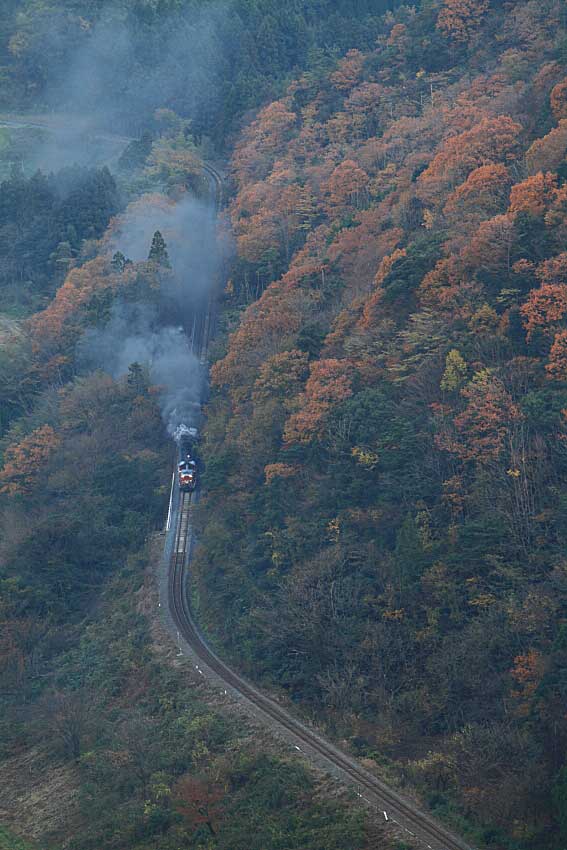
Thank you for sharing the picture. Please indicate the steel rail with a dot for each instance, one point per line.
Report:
(395, 809)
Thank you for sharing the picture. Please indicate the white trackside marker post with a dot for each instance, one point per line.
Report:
(179, 643)
(385, 816)
(168, 524)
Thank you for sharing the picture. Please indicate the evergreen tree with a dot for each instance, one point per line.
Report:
(119, 262)
(137, 379)
(158, 251)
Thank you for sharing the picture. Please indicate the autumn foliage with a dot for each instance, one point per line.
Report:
(460, 19)
(483, 193)
(391, 394)
(383, 525)
(545, 307)
(199, 802)
(548, 152)
(483, 426)
(557, 366)
(491, 140)
(25, 462)
(327, 385)
(534, 195)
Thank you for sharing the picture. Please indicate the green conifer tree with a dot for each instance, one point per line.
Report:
(158, 251)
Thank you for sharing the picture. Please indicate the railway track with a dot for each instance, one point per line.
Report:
(417, 827)
(393, 807)
(421, 828)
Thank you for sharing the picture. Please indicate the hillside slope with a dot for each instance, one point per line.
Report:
(211, 62)
(384, 534)
(107, 738)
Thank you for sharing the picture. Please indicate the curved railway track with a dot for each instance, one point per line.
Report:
(406, 817)
(421, 827)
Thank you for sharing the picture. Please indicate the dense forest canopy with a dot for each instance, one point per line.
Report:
(94, 268)
(44, 222)
(385, 517)
(383, 527)
(209, 61)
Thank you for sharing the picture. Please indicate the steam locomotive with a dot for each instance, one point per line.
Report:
(187, 475)
(187, 472)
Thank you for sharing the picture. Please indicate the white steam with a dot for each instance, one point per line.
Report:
(161, 337)
(184, 430)
(120, 78)
(132, 335)
(189, 230)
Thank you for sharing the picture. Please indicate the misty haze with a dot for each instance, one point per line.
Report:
(283, 425)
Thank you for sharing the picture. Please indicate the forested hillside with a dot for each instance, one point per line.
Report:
(384, 511)
(384, 531)
(44, 221)
(209, 61)
(107, 740)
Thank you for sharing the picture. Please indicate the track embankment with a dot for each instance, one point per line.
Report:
(418, 827)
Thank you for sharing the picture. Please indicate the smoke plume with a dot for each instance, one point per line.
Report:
(116, 76)
(133, 335)
(135, 332)
(119, 77)
(188, 228)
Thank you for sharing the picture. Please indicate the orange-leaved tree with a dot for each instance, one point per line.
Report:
(491, 246)
(484, 425)
(25, 461)
(58, 325)
(491, 140)
(557, 365)
(372, 304)
(460, 19)
(347, 187)
(556, 217)
(280, 376)
(329, 383)
(274, 471)
(483, 194)
(546, 307)
(553, 270)
(548, 153)
(199, 802)
(348, 71)
(534, 195)
(265, 329)
(262, 141)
